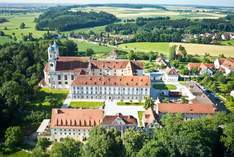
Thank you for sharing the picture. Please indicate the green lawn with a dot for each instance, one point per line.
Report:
(122, 103)
(86, 104)
(18, 154)
(164, 86)
(140, 115)
(100, 51)
(4, 39)
(228, 42)
(161, 47)
(14, 21)
(59, 94)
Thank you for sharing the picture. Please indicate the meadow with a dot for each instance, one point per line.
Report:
(14, 21)
(194, 49)
(161, 47)
(228, 43)
(100, 51)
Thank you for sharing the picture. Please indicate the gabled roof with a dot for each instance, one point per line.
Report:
(113, 120)
(200, 65)
(75, 118)
(71, 63)
(229, 63)
(186, 108)
(131, 81)
(171, 71)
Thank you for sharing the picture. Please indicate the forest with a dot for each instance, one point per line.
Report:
(62, 19)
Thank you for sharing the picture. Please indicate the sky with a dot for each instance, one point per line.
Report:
(190, 2)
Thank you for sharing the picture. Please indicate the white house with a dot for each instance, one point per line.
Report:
(170, 75)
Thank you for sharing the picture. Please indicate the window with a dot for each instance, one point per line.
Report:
(65, 77)
(59, 82)
(72, 77)
(66, 83)
(59, 77)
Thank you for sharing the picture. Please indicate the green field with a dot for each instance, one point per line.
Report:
(14, 21)
(86, 104)
(122, 103)
(162, 86)
(99, 51)
(194, 49)
(18, 154)
(133, 13)
(4, 39)
(228, 42)
(59, 94)
(161, 47)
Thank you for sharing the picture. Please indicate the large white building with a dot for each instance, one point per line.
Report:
(77, 123)
(60, 71)
(126, 88)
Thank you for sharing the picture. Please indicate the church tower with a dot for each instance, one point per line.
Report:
(53, 54)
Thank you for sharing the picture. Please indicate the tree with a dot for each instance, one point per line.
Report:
(172, 52)
(133, 142)
(103, 143)
(228, 138)
(43, 143)
(89, 52)
(22, 25)
(67, 148)
(38, 152)
(148, 102)
(153, 149)
(131, 55)
(13, 137)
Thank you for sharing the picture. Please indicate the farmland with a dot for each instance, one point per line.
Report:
(163, 47)
(133, 13)
(14, 22)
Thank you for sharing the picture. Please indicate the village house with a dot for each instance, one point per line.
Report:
(126, 88)
(224, 64)
(60, 71)
(170, 75)
(203, 68)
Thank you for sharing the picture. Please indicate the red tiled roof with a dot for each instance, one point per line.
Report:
(132, 81)
(186, 108)
(75, 118)
(71, 63)
(110, 119)
(229, 63)
(200, 65)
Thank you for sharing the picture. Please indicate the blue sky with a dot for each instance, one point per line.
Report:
(198, 2)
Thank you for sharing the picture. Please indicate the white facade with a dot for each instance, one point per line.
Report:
(57, 134)
(109, 92)
(170, 78)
